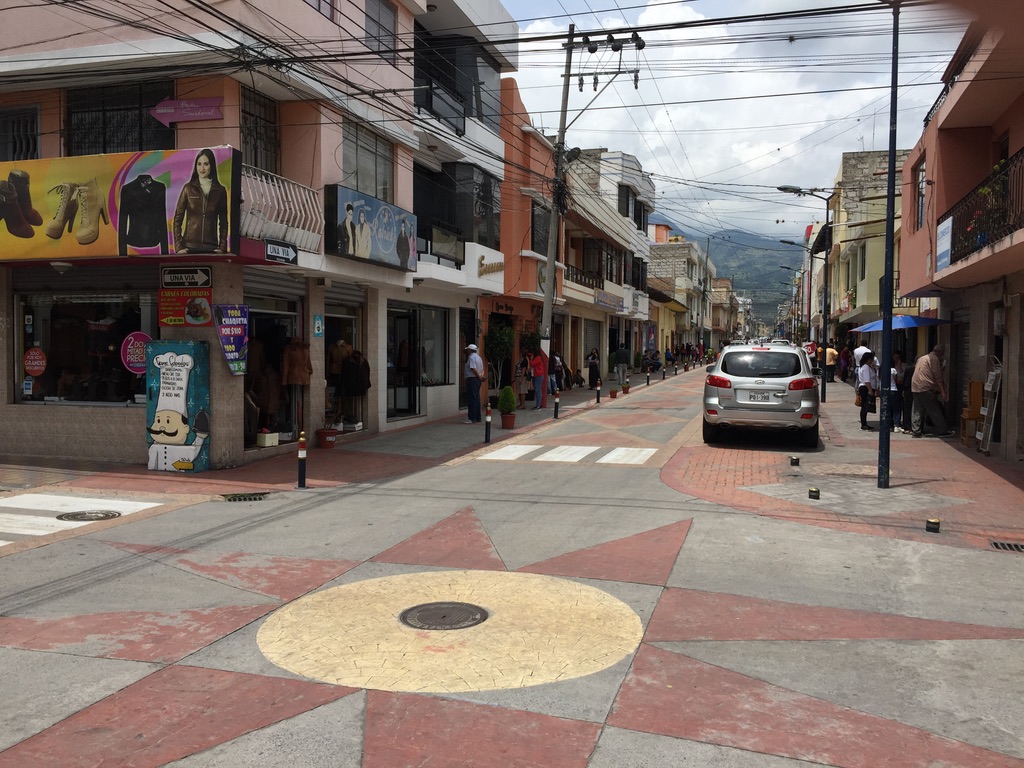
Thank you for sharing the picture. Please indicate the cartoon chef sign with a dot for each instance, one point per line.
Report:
(176, 444)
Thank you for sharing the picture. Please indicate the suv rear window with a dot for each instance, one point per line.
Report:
(762, 365)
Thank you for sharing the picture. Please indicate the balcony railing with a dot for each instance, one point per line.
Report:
(438, 102)
(990, 212)
(898, 302)
(586, 279)
(275, 207)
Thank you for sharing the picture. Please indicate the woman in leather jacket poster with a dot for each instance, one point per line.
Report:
(201, 216)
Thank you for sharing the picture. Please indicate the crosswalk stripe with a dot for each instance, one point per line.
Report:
(5, 543)
(45, 502)
(627, 456)
(567, 453)
(510, 452)
(32, 525)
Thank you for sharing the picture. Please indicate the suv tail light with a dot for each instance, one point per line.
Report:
(798, 384)
(719, 381)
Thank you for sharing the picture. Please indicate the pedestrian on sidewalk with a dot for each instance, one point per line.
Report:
(867, 387)
(621, 363)
(474, 375)
(845, 359)
(522, 379)
(538, 370)
(929, 390)
(895, 395)
(831, 359)
(593, 368)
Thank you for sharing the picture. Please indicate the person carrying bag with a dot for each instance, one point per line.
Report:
(867, 388)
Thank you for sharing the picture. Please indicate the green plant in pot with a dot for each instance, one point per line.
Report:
(507, 404)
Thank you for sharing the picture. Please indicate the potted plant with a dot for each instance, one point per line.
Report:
(499, 344)
(614, 391)
(625, 387)
(507, 404)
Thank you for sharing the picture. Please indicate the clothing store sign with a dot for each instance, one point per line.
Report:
(187, 306)
(366, 229)
(186, 277)
(129, 204)
(232, 321)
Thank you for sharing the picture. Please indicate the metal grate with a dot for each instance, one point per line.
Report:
(1008, 546)
(245, 496)
(444, 615)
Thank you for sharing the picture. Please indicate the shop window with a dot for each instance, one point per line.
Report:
(260, 144)
(380, 28)
(81, 337)
(113, 119)
(434, 347)
(368, 162)
(19, 134)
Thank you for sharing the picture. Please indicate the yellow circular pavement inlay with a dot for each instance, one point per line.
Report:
(540, 630)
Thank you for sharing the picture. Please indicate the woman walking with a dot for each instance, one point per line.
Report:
(593, 368)
(867, 386)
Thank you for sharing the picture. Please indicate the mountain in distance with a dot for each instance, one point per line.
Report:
(752, 261)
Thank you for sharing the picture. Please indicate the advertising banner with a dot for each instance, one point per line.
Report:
(178, 405)
(367, 229)
(185, 306)
(944, 244)
(232, 321)
(130, 204)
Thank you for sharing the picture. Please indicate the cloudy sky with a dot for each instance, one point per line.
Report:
(726, 113)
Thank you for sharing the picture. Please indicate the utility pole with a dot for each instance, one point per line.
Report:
(560, 192)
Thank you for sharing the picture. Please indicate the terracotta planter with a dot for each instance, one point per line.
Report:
(625, 390)
(508, 421)
(614, 393)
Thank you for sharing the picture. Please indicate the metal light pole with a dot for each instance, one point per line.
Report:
(828, 244)
(887, 276)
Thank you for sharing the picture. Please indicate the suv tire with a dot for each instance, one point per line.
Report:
(809, 437)
(711, 432)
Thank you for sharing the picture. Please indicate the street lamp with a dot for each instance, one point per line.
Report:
(801, 192)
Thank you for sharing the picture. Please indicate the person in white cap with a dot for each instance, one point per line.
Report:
(474, 375)
(170, 427)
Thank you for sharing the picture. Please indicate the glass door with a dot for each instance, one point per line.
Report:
(403, 370)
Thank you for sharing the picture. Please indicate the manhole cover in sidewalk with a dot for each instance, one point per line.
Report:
(245, 496)
(443, 616)
(89, 515)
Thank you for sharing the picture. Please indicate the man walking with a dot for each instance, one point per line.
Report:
(831, 358)
(929, 390)
(474, 375)
(621, 363)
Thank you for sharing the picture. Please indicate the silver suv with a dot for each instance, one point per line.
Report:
(764, 386)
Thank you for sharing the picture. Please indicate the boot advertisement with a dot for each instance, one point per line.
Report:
(178, 405)
(157, 203)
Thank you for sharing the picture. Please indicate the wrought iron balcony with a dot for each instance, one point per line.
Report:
(586, 279)
(280, 209)
(990, 212)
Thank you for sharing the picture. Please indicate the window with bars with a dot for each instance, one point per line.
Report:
(326, 7)
(107, 120)
(380, 28)
(920, 186)
(368, 162)
(260, 145)
(19, 134)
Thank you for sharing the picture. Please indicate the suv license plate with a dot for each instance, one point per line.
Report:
(758, 397)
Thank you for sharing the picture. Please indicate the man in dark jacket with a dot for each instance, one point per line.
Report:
(621, 363)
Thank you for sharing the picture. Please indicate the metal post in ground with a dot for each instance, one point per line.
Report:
(487, 423)
(663, 374)
(556, 403)
(302, 460)
(648, 376)
(676, 370)
(599, 391)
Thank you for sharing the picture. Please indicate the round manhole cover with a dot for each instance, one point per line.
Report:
(443, 616)
(89, 516)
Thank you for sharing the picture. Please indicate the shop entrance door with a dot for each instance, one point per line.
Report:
(270, 406)
(403, 371)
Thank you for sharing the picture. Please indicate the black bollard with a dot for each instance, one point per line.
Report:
(556, 403)
(662, 374)
(487, 423)
(302, 460)
(675, 370)
(648, 376)
(598, 391)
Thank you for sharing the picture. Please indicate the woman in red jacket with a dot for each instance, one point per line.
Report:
(538, 369)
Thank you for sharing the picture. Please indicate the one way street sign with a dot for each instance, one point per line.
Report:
(186, 277)
(281, 252)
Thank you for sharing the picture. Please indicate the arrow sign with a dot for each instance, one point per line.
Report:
(186, 110)
(186, 277)
(281, 252)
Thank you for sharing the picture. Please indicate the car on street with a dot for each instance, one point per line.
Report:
(762, 386)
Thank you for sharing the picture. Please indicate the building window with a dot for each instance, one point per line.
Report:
(114, 119)
(434, 368)
(920, 185)
(540, 225)
(627, 199)
(368, 162)
(457, 79)
(260, 145)
(862, 260)
(19, 134)
(326, 7)
(477, 204)
(380, 28)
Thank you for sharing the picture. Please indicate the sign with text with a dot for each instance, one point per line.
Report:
(943, 244)
(34, 361)
(186, 110)
(232, 321)
(186, 277)
(133, 351)
(185, 306)
(280, 252)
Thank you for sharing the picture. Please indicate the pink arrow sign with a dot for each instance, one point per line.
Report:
(186, 110)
